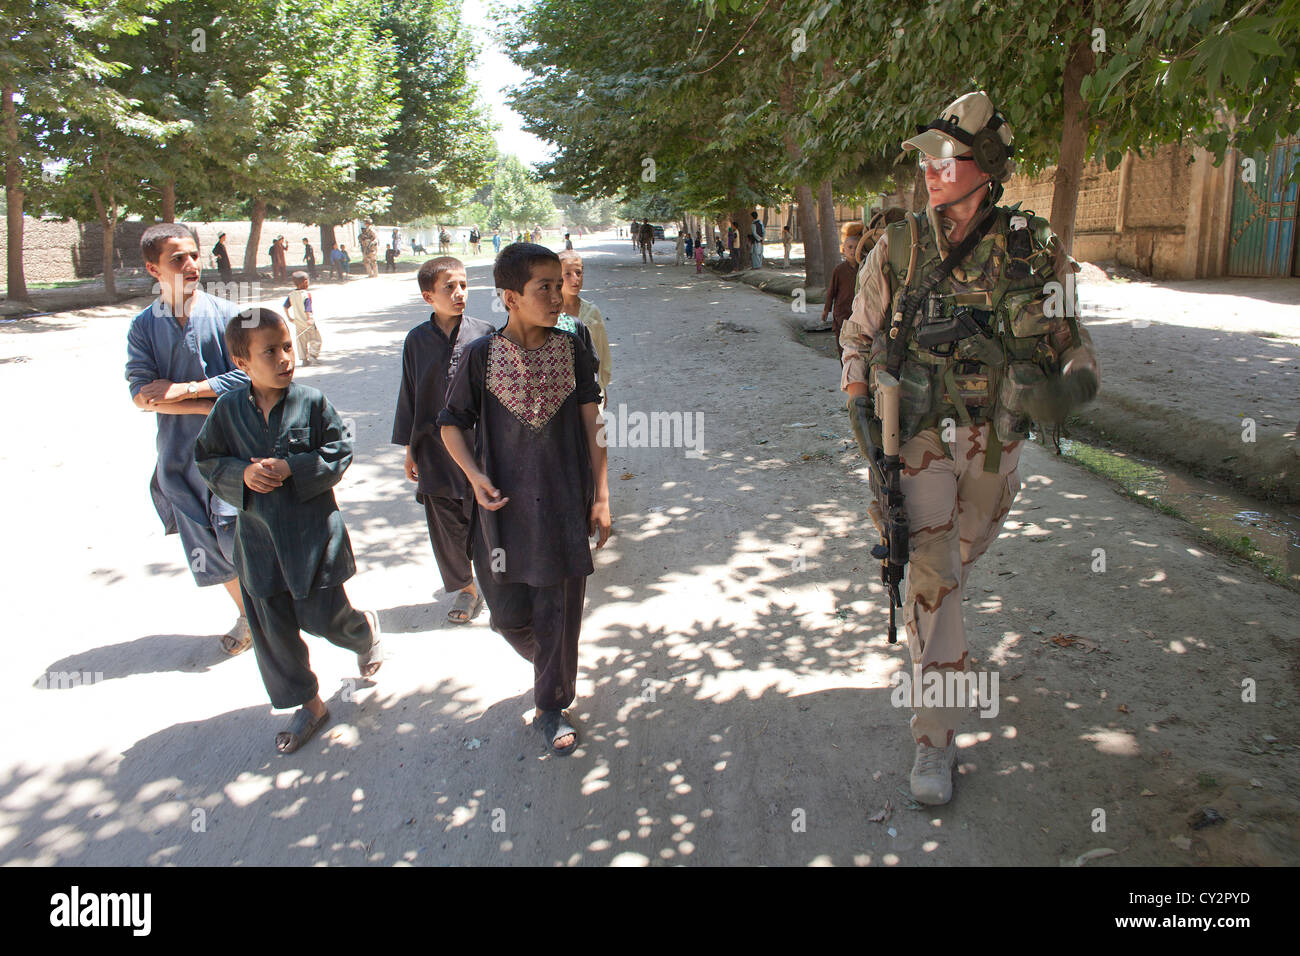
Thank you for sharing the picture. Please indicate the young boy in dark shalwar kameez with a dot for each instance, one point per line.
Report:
(430, 354)
(538, 474)
(274, 450)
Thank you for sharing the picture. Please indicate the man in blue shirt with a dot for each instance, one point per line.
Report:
(177, 364)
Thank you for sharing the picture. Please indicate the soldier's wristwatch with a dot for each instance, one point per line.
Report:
(193, 389)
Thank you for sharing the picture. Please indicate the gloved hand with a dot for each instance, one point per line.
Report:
(1053, 400)
(860, 417)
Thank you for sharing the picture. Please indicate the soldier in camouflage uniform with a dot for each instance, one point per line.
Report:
(966, 405)
(369, 250)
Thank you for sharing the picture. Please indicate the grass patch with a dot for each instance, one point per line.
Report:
(1127, 472)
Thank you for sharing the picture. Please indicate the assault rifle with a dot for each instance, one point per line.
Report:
(883, 460)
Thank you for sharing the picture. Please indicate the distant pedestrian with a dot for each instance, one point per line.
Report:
(222, 258)
(297, 305)
(475, 240)
(680, 248)
(496, 241)
(390, 258)
(733, 245)
(699, 257)
(444, 242)
(786, 239)
(757, 232)
(279, 268)
(647, 241)
(309, 257)
(369, 249)
(568, 243)
(341, 261)
(690, 246)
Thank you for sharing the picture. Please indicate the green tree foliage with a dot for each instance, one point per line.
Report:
(519, 199)
(53, 63)
(629, 91)
(442, 145)
(588, 214)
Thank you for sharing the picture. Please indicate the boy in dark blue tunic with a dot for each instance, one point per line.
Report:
(176, 365)
(430, 355)
(274, 451)
(538, 476)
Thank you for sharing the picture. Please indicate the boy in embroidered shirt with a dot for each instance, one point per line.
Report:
(538, 473)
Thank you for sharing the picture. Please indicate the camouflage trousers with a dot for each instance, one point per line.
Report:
(371, 261)
(955, 511)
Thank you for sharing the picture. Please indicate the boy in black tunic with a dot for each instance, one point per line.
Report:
(538, 475)
(430, 355)
(275, 450)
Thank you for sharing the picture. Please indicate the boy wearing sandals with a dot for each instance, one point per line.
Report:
(274, 451)
(538, 473)
(177, 364)
(429, 358)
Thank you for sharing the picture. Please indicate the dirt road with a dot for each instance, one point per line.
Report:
(734, 692)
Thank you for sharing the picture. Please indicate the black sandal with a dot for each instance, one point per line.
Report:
(554, 725)
(300, 730)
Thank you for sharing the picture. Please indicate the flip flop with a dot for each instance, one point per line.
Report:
(370, 661)
(466, 606)
(300, 730)
(554, 725)
(238, 639)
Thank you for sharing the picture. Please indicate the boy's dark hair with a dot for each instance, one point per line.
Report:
(427, 277)
(155, 237)
(300, 276)
(514, 266)
(240, 329)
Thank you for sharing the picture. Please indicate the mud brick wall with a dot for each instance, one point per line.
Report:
(1158, 190)
(1155, 214)
(57, 250)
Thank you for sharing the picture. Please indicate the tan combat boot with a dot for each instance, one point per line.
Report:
(932, 773)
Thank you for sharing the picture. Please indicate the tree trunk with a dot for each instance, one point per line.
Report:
(1074, 141)
(741, 219)
(813, 264)
(326, 243)
(254, 236)
(168, 209)
(107, 223)
(15, 281)
(829, 227)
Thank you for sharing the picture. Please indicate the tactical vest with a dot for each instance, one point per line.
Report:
(980, 377)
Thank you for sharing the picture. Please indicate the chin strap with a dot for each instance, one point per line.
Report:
(952, 202)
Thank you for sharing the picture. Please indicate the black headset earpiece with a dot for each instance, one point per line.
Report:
(991, 154)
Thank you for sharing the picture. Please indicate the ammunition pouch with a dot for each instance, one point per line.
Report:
(915, 398)
(1023, 384)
